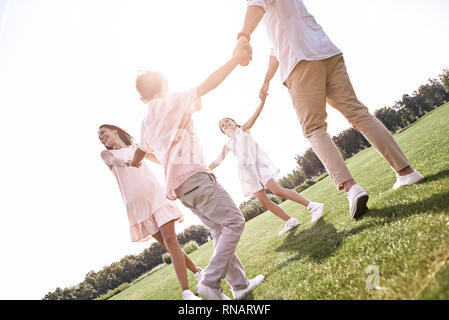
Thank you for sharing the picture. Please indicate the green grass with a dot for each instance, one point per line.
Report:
(405, 233)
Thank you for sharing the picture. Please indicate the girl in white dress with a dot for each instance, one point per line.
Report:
(150, 213)
(257, 172)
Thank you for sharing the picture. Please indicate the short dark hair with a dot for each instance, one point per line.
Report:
(123, 135)
(148, 84)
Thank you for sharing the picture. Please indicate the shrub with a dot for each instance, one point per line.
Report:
(321, 177)
(276, 199)
(190, 246)
(251, 209)
(166, 257)
(112, 293)
(309, 182)
(304, 185)
(301, 188)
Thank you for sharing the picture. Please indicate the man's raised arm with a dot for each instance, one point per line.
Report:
(252, 18)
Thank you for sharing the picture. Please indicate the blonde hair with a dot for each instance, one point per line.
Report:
(148, 84)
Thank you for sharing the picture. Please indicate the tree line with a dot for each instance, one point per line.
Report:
(126, 270)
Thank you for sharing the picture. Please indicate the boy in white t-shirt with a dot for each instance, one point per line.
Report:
(168, 132)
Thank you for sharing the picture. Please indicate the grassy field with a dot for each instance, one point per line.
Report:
(405, 234)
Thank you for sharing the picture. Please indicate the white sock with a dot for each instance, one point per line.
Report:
(185, 291)
(290, 220)
(311, 204)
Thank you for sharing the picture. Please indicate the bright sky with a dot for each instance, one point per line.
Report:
(68, 66)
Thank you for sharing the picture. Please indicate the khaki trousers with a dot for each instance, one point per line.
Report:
(206, 198)
(311, 84)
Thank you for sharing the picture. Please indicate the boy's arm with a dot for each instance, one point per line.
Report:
(137, 158)
(272, 68)
(249, 124)
(152, 157)
(218, 76)
(220, 158)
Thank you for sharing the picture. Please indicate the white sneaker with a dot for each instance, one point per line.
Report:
(357, 198)
(289, 225)
(410, 178)
(188, 295)
(316, 210)
(239, 294)
(209, 293)
(199, 275)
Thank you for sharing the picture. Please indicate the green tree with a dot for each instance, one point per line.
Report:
(310, 164)
(389, 117)
(444, 78)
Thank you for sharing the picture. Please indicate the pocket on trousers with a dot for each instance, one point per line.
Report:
(191, 190)
(188, 198)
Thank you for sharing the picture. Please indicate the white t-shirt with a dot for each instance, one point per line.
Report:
(294, 34)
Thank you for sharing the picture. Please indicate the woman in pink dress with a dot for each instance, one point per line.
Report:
(150, 213)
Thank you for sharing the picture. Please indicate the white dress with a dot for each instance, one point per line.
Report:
(144, 197)
(254, 166)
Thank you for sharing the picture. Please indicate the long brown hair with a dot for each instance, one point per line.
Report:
(123, 135)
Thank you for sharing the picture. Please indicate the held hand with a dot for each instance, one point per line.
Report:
(137, 165)
(242, 56)
(130, 164)
(244, 51)
(264, 91)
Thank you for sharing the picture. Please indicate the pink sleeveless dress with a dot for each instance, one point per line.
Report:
(144, 197)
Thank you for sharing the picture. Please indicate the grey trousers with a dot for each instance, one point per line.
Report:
(202, 194)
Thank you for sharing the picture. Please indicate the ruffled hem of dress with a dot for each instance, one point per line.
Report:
(144, 230)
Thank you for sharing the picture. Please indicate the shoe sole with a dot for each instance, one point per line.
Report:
(313, 221)
(361, 207)
(243, 295)
(204, 296)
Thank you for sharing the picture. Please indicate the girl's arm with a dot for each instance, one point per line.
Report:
(137, 158)
(110, 160)
(249, 124)
(272, 68)
(220, 158)
(152, 157)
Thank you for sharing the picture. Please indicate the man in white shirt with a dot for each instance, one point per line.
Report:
(314, 71)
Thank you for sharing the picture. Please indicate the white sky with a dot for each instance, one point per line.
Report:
(68, 66)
